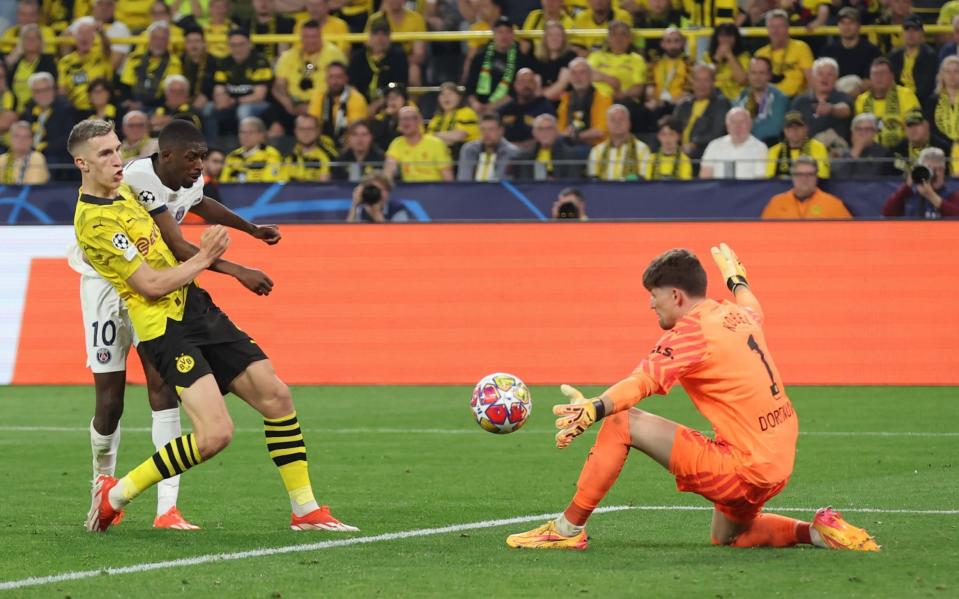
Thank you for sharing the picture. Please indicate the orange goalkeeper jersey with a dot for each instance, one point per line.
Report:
(718, 354)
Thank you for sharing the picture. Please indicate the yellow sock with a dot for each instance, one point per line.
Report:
(176, 457)
(284, 440)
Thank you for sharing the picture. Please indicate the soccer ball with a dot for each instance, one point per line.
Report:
(501, 403)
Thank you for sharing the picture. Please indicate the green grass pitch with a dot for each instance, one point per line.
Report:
(392, 459)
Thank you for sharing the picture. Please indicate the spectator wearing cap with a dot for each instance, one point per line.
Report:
(942, 109)
(887, 101)
(896, 14)
(386, 122)
(599, 15)
(494, 68)
(702, 115)
(453, 123)
(487, 13)
(301, 74)
(805, 200)
(336, 107)
(791, 59)
(825, 108)
(488, 158)
(404, 20)
(866, 158)
(549, 157)
(527, 104)
(918, 138)
(378, 63)
(241, 81)
(926, 199)
(851, 51)
(265, 20)
(796, 142)
(765, 103)
(915, 63)
(141, 83)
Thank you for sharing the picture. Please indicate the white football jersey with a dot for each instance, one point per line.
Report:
(154, 196)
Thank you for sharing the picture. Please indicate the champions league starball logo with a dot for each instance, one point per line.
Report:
(147, 197)
(121, 241)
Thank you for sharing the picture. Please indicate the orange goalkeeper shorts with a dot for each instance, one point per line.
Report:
(710, 468)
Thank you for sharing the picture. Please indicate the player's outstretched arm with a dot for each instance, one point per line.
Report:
(216, 213)
(255, 280)
(154, 284)
(734, 273)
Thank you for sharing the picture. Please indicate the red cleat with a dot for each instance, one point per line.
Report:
(320, 519)
(102, 515)
(173, 519)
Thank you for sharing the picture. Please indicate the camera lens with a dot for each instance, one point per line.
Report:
(306, 84)
(371, 194)
(921, 174)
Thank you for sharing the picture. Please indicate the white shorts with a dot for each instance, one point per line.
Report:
(106, 325)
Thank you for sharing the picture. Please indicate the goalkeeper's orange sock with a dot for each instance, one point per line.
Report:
(602, 468)
(773, 530)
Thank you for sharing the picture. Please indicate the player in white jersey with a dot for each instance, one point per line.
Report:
(169, 184)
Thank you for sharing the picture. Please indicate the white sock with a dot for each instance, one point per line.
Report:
(302, 501)
(104, 451)
(565, 527)
(166, 427)
(816, 538)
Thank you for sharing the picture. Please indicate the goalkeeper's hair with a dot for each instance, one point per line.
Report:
(677, 268)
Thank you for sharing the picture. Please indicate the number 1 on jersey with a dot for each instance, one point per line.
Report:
(754, 345)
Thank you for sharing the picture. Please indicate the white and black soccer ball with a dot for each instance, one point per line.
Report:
(501, 403)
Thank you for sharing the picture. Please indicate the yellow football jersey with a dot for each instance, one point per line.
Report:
(118, 235)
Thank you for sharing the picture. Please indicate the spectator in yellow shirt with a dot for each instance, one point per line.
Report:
(599, 15)
(796, 143)
(253, 161)
(306, 161)
(301, 74)
(727, 52)
(141, 83)
(319, 11)
(28, 13)
(791, 59)
(670, 80)
(805, 199)
(453, 123)
(669, 162)
(78, 68)
(415, 156)
(888, 101)
(619, 71)
(403, 20)
(23, 165)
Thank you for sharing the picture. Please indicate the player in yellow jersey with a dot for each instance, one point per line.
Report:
(717, 352)
(194, 346)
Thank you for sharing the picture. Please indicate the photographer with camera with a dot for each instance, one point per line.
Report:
(924, 193)
(569, 205)
(371, 201)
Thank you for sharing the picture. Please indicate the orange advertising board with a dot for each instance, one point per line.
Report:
(845, 302)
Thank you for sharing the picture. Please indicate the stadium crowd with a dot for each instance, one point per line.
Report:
(615, 107)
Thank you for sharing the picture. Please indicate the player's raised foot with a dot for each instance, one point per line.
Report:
(547, 537)
(839, 534)
(320, 519)
(173, 519)
(102, 515)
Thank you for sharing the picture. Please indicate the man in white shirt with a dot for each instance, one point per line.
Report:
(738, 155)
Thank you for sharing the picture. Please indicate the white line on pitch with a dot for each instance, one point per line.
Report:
(392, 536)
(270, 551)
(454, 431)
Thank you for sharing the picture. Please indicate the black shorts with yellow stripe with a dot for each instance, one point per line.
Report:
(205, 342)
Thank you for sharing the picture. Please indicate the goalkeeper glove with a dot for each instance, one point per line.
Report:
(576, 416)
(730, 267)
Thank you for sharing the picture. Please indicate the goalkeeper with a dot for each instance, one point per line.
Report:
(717, 352)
